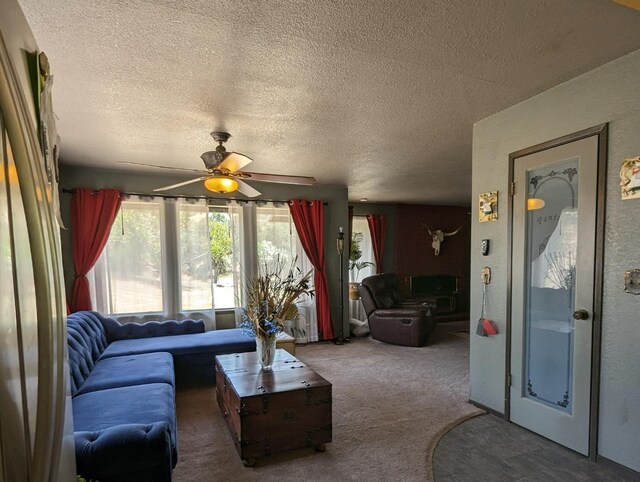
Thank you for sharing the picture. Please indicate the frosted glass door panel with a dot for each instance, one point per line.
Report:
(551, 259)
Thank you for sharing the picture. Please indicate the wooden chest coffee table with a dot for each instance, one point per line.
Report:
(267, 412)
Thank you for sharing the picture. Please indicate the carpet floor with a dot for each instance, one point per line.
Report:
(389, 403)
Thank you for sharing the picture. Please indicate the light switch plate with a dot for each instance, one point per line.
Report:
(632, 281)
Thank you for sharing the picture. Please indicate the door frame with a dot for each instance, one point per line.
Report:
(601, 131)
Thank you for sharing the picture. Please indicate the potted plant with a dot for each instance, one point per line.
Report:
(270, 302)
(355, 265)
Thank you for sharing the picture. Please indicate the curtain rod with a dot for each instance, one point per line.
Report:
(181, 196)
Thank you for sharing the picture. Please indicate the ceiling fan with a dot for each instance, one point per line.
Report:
(223, 174)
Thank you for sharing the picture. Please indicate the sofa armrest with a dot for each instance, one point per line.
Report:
(122, 331)
(125, 449)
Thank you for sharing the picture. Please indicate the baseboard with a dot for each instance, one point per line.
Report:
(487, 409)
(622, 470)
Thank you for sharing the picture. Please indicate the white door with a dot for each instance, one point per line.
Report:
(553, 253)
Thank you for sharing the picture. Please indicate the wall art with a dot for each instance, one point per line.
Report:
(488, 206)
(632, 281)
(630, 178)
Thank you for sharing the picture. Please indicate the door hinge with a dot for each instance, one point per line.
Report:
(509, 380)
(512, 189)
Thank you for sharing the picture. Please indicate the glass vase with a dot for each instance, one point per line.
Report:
(266, 349)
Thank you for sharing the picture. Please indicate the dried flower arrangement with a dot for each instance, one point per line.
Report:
(270, 299)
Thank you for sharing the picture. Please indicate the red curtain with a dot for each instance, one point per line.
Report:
(92, 215)
(308, 218)
(376, 228)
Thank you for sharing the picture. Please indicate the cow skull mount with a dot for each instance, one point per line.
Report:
(437, 237)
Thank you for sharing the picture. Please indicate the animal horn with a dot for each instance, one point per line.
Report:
(428, 229)
(453, 233)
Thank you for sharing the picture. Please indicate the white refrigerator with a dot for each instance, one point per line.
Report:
(36, 435)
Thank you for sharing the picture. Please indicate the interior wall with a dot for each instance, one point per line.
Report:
(416, 256)
(336, 215)
(610, 93)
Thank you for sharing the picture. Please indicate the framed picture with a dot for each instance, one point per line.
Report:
(488, 206)
(630, 178)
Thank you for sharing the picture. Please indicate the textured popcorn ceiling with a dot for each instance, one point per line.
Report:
(377, 95)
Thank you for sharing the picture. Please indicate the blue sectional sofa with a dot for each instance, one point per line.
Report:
(123, 390)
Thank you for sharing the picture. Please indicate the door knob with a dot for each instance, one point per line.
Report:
(580, 315)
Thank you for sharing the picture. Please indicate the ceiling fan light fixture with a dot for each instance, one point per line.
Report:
(213, 158)
(221, 183)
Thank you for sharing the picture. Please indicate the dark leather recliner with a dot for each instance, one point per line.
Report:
(390, 319)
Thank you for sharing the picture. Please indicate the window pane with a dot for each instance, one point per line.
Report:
(195, 257)
(275, 236)
(221, 243)
(133, 260)
(364, 266)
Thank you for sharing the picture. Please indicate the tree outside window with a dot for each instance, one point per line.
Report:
(221, 244)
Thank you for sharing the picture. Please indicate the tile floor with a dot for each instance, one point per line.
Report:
(486, 448)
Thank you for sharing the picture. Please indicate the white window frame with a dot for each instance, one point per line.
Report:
(170, 262)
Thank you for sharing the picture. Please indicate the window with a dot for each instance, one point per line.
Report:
(276, 235)
(156, 262)
(175, 257)
(128, 277)
(365, 265)
(221, 246)
(195, 256)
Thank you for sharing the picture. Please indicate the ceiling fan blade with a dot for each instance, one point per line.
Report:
(235, 161)
(302, 180)
(247, 190)
(161, 167)
(166, 188)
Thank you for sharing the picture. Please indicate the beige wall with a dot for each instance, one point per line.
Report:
(610, 93)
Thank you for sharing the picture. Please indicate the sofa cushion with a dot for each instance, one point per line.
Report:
(86, 341)
(385, 290)
(88, 324)
(211, 342)
(124, 371)
(115, 330)
(135, 452)
(138, 404)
